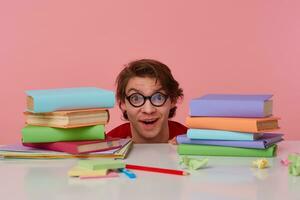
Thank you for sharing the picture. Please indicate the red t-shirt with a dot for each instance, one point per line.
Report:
(124, 131)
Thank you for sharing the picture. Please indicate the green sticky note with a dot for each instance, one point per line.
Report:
(294, 166)
(101, 164)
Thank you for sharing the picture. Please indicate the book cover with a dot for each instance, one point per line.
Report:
(68, 118)
(264, 142)
(209, 150)
(234, 124)
(41, 134)
(77, 147)
(40, 101)
(231, 105)
(209, 134)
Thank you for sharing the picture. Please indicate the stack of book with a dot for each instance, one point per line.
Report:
(70, 120)
(230, 125)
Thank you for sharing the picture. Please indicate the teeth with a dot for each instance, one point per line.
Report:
(149, 120)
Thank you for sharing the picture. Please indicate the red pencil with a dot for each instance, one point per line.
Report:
(158, 170)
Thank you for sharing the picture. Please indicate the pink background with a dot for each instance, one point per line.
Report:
(212, 46)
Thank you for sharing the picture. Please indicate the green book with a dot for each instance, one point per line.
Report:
(209, 150)
(39, 134)
(101, 164)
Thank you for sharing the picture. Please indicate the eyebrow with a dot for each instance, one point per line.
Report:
(138, 91)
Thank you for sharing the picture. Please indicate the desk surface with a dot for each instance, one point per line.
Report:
(224, 178)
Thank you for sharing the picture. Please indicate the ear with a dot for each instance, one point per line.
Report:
(173, 104)
(122, 105)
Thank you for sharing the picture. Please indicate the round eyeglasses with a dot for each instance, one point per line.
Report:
(137, 100)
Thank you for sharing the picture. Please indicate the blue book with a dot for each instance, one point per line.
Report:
(267, 140)
(230, 105)
(40, 101)
(210, 134)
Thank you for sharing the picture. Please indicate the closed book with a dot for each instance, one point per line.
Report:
(209, 150)
(266, 140)
(77, 147)
(40, 134)
(40, 101)
(231, 105)
(209, 134)
(234, 124)
(68, 118)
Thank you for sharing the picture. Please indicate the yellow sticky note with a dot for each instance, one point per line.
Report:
(78, 171)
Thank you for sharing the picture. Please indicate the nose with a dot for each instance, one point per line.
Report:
(148, 107)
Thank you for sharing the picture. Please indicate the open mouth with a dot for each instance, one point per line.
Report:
(149, 121)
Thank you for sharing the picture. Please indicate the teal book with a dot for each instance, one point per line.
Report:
(209, 150)
(41, 101)
(210, 134)
(39, 134)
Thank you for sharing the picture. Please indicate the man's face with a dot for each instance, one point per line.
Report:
(149, 123)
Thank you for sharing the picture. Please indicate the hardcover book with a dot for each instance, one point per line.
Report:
(234, 124)
(41, 134)
(40, 101)
(77, 147)
(209, 150)
(68, 118)
(209, 134)
(230, 105)
(266, 140)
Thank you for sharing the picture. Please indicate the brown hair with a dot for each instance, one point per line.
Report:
(148, 68)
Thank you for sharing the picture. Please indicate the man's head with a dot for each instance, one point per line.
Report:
(147, 94)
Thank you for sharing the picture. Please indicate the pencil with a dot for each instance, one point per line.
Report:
(158, 170)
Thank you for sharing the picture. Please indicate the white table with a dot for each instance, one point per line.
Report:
(225, 178)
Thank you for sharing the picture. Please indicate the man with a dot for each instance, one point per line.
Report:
(147, 94)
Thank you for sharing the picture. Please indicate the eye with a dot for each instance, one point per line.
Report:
(136, 98)
(158, 98)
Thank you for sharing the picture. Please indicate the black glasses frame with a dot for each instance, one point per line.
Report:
(147, 97)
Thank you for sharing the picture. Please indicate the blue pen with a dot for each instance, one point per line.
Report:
(128, 173)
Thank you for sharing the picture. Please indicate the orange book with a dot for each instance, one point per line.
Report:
(254, 125)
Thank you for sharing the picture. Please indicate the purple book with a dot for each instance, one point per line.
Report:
(231, 105)
(263, 143)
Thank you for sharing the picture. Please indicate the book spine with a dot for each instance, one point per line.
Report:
(226, 108)
(207, 150)
(36, 134)
(206, 134)
(183, 139)
(227, 124)
(51, 103)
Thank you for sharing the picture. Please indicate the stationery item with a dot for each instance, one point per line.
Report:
(208, 150)
(232, 105)
(101, 164)
(40, 101)
(193, 163)
(265, 141)
(260, 163)
(41, 134)
(156, 169)
(77, 147)
(209, 134)
(128, 173)
(234, 124)
(68, 118)
(20, 151)
(294, 164)
(78, 171)
(109, 175)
